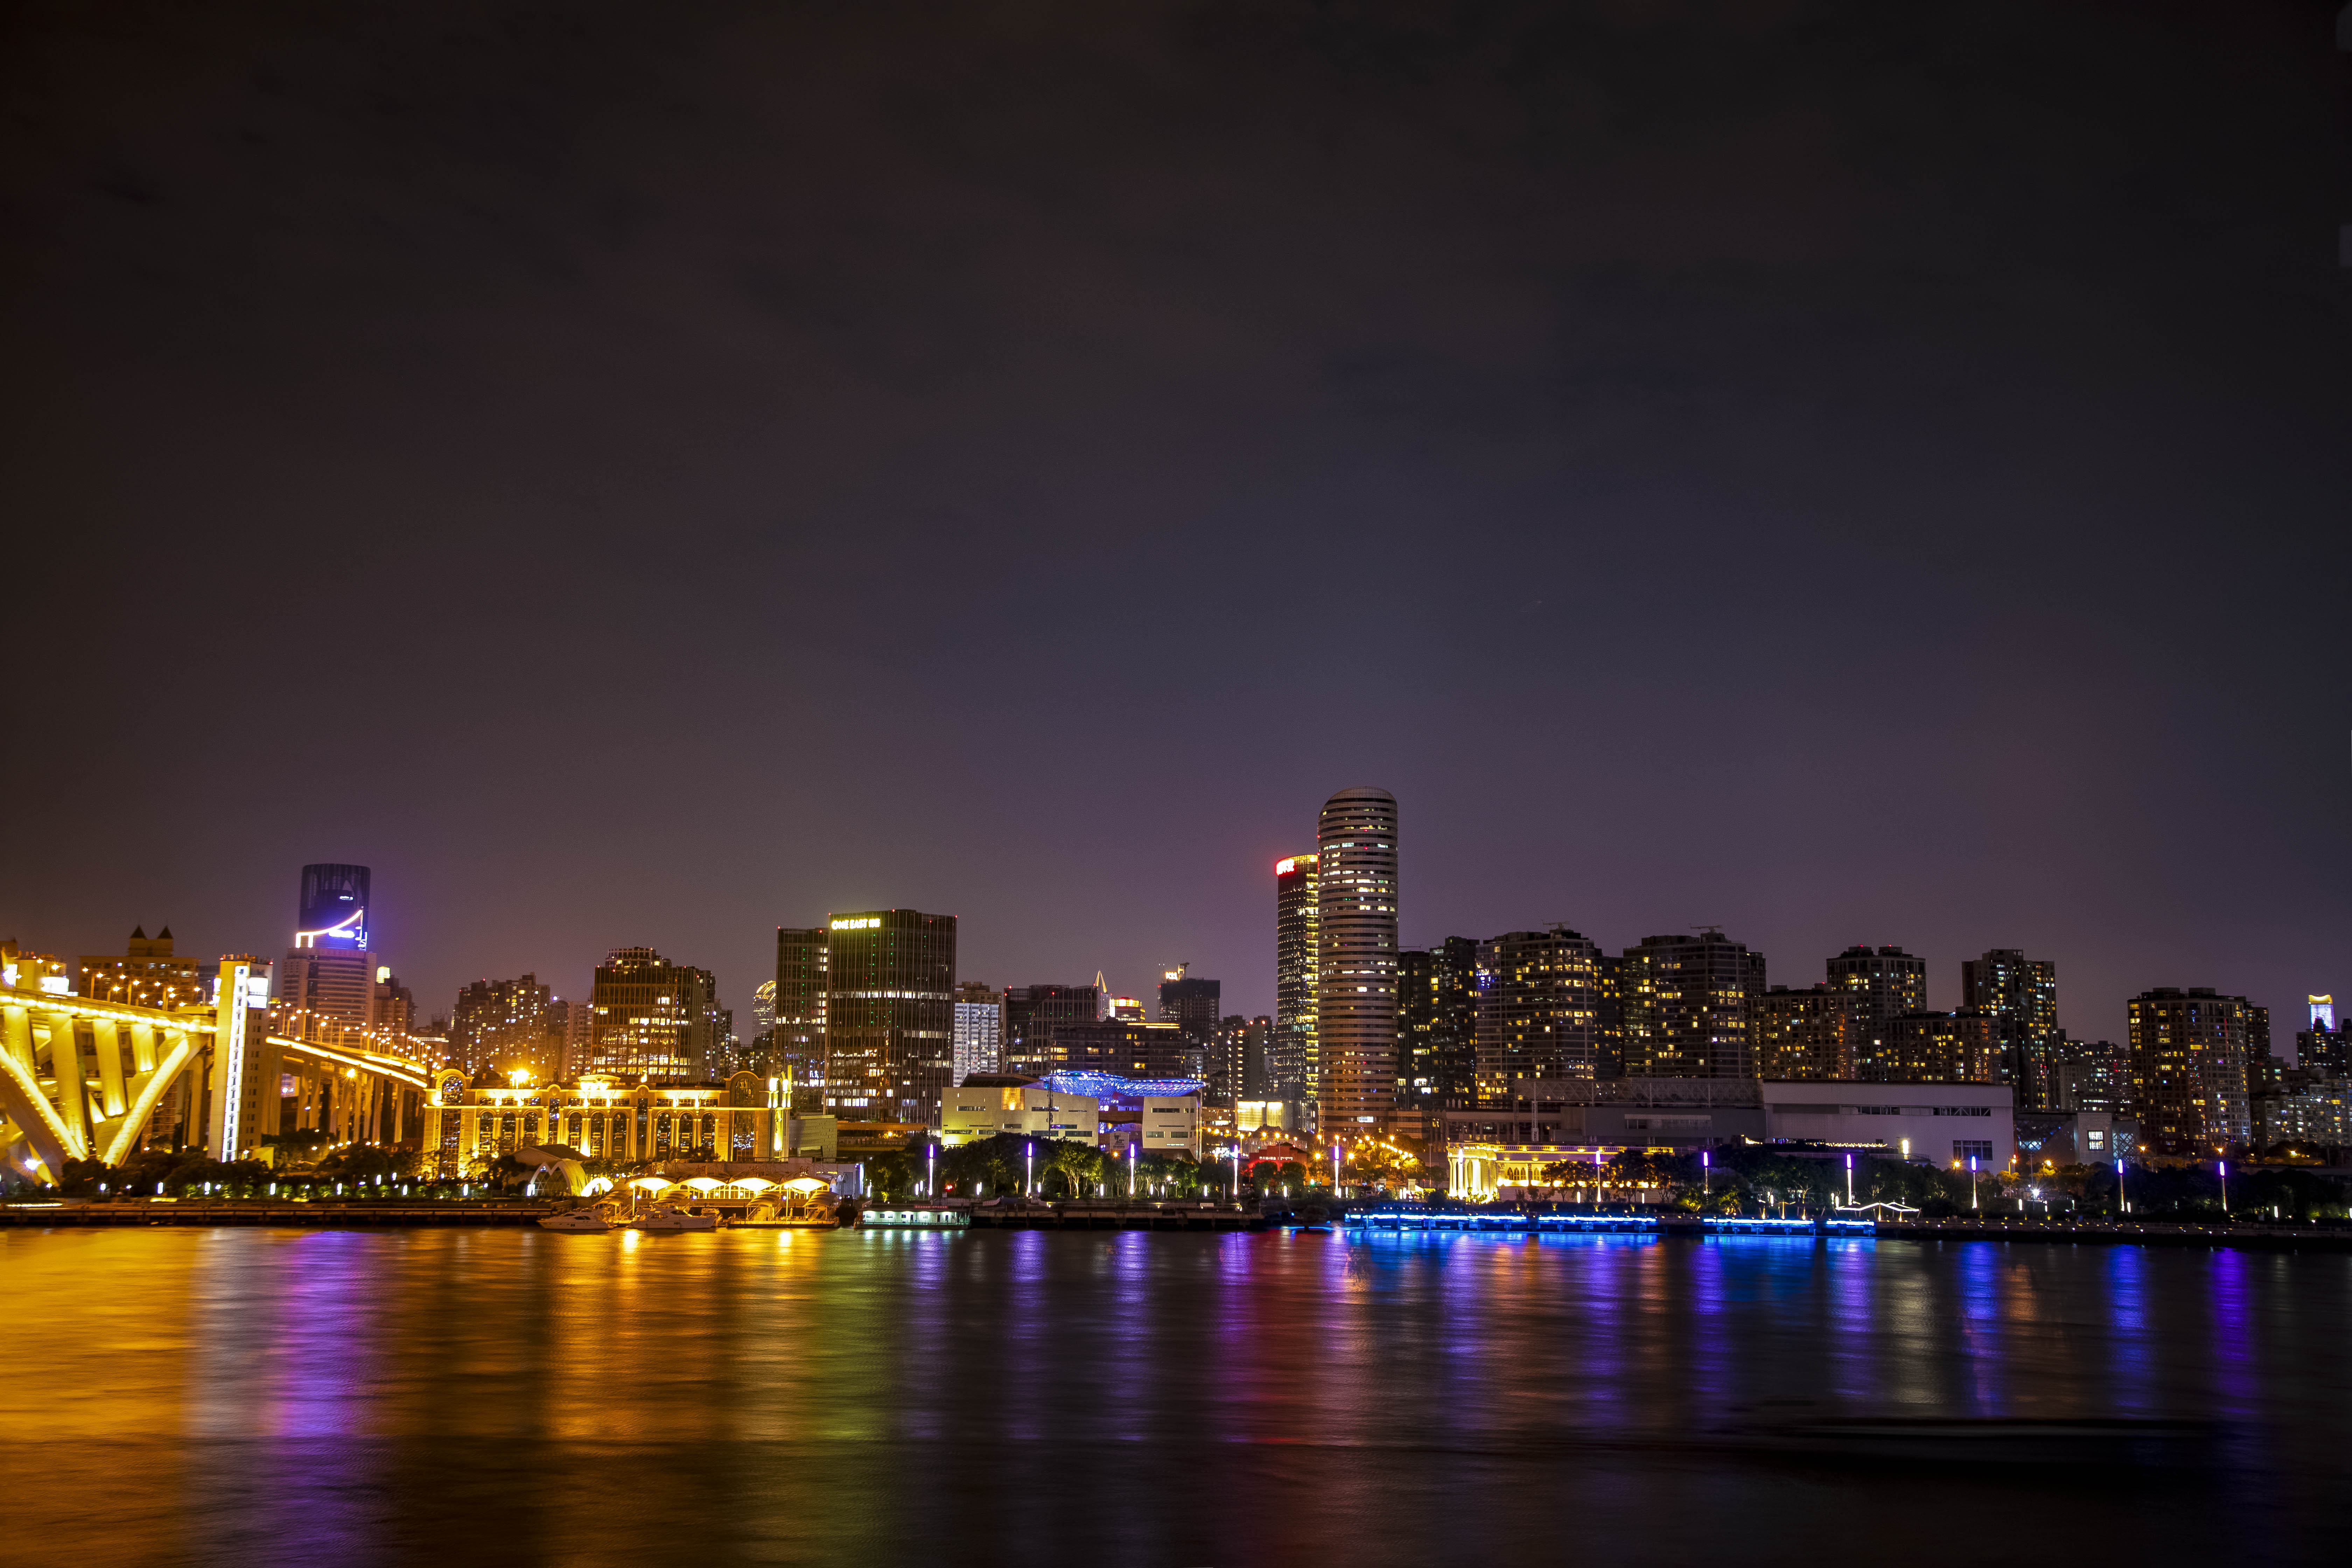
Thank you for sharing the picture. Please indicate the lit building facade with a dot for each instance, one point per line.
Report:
(655, 1020)
(604, 1117)
(889, 1014)
(1808, 1034)
(1887, 981)
(1355, 978)
(1935, 1047)
(1687, 1008)
(1537, 1010)
(2021, 995)
(1297, 956)
(802, 954)
(1437, 1025)
(979, 1029)
(2189, 1051)
(994, 1104)
(144, 974)
(506, 1026)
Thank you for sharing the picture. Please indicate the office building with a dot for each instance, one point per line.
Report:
(1193, 1006)
(1030, 1014)
(1537, 1011)
(2021, 995)
(1887, 981)
(802, 954)
(328, 979)
(505, 1026)
(2188, 1052)
(1934, 1048)
(979, 1029)
(1687, 1006)
(1807, 1034)
(145, 974)
(1297, 955)
(1356, 938)
(655, 1020)
(889, 1014)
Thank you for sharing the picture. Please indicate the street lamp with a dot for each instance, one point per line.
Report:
(1705, 1172)
(1973, 1181)
(930, 1170)
(2223, 1166)
(1849, 1181)
(2123, 1203)
(1335, 1170)
(1236, 1154)
(1133, 1159)
(1029, 1153)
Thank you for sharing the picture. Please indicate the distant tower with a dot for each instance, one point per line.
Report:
(327, 978)
(1293, 1062)
(2323, 1010)
(1355, 1014)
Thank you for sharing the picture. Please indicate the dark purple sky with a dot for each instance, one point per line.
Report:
(641, 474)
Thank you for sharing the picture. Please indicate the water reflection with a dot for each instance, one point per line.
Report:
(516, 1396)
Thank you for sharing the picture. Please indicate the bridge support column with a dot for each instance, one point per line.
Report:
(106, 1043)
(73, 1090)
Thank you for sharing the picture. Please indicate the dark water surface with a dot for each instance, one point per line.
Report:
(461, 1396)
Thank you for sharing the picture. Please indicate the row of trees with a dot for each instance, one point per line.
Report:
(1744, 1180)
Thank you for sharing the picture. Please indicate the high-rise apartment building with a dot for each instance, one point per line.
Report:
(1356, 938)
(889, 1014)
(1030, 1014)
(2188, 1053)
(2021, 995)
(1687, 1008)
(507, 1026)
(2320, 1048)
(1298, 1061)
(2091, 1074)
(802, 954)
(1807, 1034)
(655, 1020)
(1934, 1048)
(1237, 1060)
(144, 974)
(979, 1029)
(1193, 1006)
(1888, 980)
(329, 976)
(1537, 1010)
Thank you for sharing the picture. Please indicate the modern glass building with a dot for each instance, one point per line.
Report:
(1030, 1014)
(1296, 1061)
(889, 1014)
(801, 953)
(1355, 978)
(979, 1029)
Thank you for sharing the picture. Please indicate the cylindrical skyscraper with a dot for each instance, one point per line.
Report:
(1356, 1016)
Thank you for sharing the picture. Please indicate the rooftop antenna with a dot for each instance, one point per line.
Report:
(1711, 931)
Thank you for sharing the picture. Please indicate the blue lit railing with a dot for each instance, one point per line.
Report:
(1500, 1221)
(923, 1219)
(1746, 1225)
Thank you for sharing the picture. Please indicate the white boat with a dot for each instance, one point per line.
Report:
(669, 1217)
(576, 1219)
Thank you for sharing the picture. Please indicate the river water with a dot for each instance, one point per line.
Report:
(460, 1396)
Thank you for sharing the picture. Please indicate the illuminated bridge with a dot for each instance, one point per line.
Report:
(81, 1078)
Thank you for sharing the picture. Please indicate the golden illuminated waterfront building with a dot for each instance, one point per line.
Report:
(605, 1117)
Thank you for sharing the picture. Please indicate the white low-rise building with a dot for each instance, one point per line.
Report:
(1943, 1123)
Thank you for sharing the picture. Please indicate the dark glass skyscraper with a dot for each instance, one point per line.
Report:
(801, 958)
(1030, 1014)
(1193, 1006)
(333, 907)
(889, 1014)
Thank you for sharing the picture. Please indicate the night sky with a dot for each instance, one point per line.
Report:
(641, 474)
